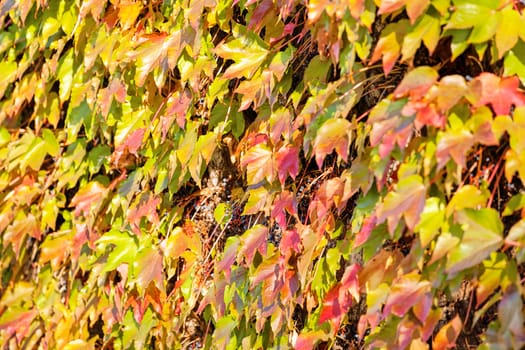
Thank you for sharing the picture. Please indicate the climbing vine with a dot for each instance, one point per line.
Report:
(262, 174)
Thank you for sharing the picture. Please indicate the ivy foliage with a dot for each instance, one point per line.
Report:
(262, 174)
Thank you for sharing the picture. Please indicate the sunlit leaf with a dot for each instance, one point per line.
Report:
(407, 200)
(335, 134)
(482, 235)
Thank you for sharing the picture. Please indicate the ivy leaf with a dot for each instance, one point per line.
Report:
(501, 93)
(455, 144)
(177, 106)
(468, 15)
(416, 8)
(447, 335)
(510, 314)
(307, 340)
(335, 134)
(388, 6)
(124, 249)
(450, 90)
(284, 202)
(88, 198)
(482, 235)
(338, 300)
(406, 291)
(115, 90)
(259, 164)
(416, 83)
(252, 240)
(148, 267)
(247, 52)
(157, 50)
(389, 45)
(407, 200)
(144, 208)
(432, 218)
(17, 321)
(287, 161)
(290, 241)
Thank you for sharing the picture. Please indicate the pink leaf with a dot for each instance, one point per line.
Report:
(406, 291)
(283, 202)
(454, 144)
(369, 223)
(88, 197)
(253, 240)
(501, 93)
(290, 241)
(287, 159)
(177, 106)
(388, 6)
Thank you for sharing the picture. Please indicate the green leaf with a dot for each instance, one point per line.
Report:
(5, 136)
(222, 213)
(53, 148)
(485, 31)
(514, 62)
(467, 15)
(248, 53)
(124, 249)
(35, 155)
(482, 235)
(432, 218)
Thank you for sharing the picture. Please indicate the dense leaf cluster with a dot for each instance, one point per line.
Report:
(262, 174)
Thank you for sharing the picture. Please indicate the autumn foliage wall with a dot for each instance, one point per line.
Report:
(262, 174)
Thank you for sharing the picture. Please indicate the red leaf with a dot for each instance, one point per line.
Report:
(369, 223)
(287, 159)
(446, 337)
(332, 309)
(290, 241)
(501, 93)
(406, 291)
(338, 300)
(283, 202)
(252, 240)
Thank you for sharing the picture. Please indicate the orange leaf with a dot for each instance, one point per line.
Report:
(333, 134)
(446, 337)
